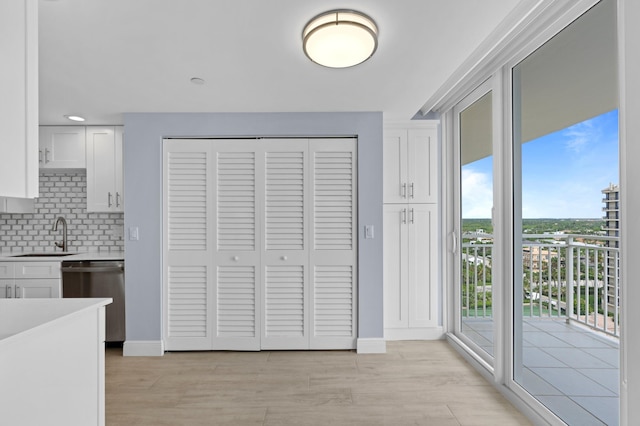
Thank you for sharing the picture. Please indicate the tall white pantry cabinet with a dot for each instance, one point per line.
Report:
(410, 231)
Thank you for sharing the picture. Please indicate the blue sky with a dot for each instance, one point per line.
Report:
(563, 173)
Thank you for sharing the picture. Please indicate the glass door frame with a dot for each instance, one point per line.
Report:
(490, 363)
(511, 227)
(497, 73)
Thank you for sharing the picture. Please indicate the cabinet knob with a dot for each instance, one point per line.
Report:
(284, 257)
(236, 258)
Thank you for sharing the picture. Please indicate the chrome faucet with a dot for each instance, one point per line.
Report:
(63, 244)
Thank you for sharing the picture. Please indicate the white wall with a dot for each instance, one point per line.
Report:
(144, 133)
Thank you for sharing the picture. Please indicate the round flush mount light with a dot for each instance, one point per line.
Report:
(340, 38)
(74, 117)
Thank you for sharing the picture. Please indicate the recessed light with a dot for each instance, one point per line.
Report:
(74, 117)
(197, 80)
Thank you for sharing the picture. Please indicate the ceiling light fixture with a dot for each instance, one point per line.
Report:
(340, 38)
(74, 117)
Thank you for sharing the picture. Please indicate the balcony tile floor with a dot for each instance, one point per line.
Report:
(570, 369)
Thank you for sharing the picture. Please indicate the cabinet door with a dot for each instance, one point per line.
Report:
(104, 170)
(17, 205)
(37, 289)
(422, 264)
(19, 98)
(396, 263)
(7, 289)
(395, 166)
(37, 270)
(62, 147)
(421, 157)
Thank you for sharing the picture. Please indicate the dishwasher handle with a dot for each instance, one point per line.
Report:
(118, 268)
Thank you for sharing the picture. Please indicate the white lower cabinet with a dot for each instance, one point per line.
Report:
(410, 272)
(30, 280)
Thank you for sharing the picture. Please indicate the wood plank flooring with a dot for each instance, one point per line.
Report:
(414, 383)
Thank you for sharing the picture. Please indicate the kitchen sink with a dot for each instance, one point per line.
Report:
(43, 254)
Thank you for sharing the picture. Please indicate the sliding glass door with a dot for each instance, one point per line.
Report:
(473, 129)
(565, 294)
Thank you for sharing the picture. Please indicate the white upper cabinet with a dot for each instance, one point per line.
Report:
(17, 205)
(19, 98)
(62, 147)
(410, 163)
(104, 169)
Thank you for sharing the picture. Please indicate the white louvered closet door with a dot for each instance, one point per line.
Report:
(333, 253)
(188, 248)
(260, 244)
(237, 222)
(285, 256)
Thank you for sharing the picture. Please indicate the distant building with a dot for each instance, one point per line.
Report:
(611, 228)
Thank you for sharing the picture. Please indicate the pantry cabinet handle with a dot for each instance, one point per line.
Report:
(404, 216)
(18, 292)
(8, 292)
(411, 221)
(46, 155)
(411, 190)
(39, 156)
(403, 190)
(109, 199)
(117, 199)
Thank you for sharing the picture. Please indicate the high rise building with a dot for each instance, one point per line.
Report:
(611, 227)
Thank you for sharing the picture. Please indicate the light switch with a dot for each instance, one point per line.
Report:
(368, 232)
(133, 233)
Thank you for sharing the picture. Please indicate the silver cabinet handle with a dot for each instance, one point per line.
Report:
(411, 190)
(403, 190)
(39, 156)
(46, 155)
(404, 216)
(117, 199)
(109, 199)
(18, 292)
(8, 292)
(411, 221)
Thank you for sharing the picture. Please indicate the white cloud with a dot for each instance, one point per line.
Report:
(579, 135)
(477, 194)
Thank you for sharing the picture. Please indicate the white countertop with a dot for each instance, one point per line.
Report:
(20, 316)
(75, 256)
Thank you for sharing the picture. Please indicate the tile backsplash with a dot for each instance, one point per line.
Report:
(62, 194)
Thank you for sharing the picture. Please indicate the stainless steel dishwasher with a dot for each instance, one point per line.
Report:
(98, 278)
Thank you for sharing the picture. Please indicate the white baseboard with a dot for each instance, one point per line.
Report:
(143, 348)
(372, 346)
(423, 333)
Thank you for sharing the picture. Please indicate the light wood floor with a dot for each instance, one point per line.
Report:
(415, 383)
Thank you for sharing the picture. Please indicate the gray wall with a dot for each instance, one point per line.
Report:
(143, 199)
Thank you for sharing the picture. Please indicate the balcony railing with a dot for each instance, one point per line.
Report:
(563, 275)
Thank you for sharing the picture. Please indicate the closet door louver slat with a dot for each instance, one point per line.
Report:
(188, 310)
(284, 195)
(236, 205)
(333, 200)
(187, 198)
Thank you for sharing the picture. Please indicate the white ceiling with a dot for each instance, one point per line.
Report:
(100, 58)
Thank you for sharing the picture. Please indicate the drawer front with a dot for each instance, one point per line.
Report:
(6, 270)
(37, 270)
